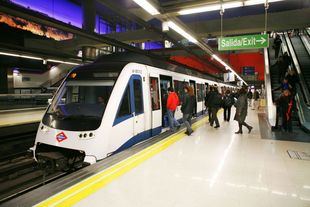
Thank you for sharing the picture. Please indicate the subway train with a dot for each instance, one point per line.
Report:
(109, 105)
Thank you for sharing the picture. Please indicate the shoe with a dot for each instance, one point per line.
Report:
(211, 124)
(238, 132)
(250, 129)
(187, 133)
(190, 133)
(217, 126)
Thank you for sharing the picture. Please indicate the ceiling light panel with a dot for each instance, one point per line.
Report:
(144, 4)
(182, 32)
(214, 7)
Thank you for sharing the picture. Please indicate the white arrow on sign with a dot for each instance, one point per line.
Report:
(262, 40)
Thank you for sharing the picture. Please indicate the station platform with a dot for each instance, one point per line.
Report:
(212, 167)
(10, 118)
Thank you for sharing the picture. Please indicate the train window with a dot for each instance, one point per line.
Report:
(154, 93)
(179, 89)
(125, 105)
(138, 96)
(200, 92)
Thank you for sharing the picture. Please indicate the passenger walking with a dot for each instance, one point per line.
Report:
(228, 100)
(187, 108)
(172, 103)
(250, 96)
(207, 100)
(215, 104)
(241, 111)
(276, 45)
(286, 103)
(255, 100)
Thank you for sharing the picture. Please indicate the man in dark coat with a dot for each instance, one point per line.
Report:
(187, 108)
(208, 99)
(228, 101)
(276, 45)
(215, 104)
(241, 111)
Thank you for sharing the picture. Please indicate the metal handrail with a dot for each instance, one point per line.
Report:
(271, 108)
(289, 48)
(25, 95)
(305, 39)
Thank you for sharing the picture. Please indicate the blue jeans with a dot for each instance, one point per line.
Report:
(172, 121)
(187, 119)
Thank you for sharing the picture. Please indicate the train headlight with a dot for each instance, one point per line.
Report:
(44, 129)
(87, 135)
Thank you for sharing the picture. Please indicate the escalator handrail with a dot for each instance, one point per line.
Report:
(271, 108)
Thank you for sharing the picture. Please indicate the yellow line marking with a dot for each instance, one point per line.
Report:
(83, 189)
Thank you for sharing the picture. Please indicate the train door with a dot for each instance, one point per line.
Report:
(193, 85)
(165, 83)
(138, 106)
(156, 115)
(205, 94)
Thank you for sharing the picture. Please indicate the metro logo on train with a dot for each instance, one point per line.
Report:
(243, 42)
(61, 137)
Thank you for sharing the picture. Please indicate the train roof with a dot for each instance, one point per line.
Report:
(115, 63)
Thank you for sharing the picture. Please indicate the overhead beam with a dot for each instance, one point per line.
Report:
(127, 14)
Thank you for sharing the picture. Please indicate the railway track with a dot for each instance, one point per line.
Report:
(22, 174)
(19, 173)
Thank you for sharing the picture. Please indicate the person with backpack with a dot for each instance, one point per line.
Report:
(172, 103)
(187, 108)
(215, 104)
(207, 100)
(228, 100)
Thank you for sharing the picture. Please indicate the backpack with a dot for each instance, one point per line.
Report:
(228, 101)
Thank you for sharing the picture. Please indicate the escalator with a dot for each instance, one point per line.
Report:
(275, 81)
(303, 58)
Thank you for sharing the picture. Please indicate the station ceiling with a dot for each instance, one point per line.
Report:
(283, 15)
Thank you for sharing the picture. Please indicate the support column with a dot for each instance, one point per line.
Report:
(89, 15)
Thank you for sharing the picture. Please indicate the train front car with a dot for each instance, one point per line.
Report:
(70, 129)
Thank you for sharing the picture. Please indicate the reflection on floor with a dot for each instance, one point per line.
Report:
(215, 167)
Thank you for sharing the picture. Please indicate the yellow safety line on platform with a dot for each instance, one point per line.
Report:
(83, 189)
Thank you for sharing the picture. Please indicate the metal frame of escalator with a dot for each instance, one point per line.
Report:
(271, 108)
(303, 109)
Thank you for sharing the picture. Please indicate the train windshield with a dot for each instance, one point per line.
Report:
(79, 105)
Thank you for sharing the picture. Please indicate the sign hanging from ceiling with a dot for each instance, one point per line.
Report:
(243, 42)
(229, 77)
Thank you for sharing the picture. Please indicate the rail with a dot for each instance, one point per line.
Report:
(271, 108)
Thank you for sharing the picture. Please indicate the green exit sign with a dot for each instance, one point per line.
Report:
(243, 42)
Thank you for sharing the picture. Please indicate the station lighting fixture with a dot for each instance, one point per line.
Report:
(21, 56)
(144, 4)
(256, 2)
(227, 5)
(60, 61)
(182, 32)
(36, 58)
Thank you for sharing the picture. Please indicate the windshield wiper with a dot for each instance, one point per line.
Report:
(80, 116)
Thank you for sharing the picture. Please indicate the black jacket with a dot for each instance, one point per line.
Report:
(188, 104)
(215, 100)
